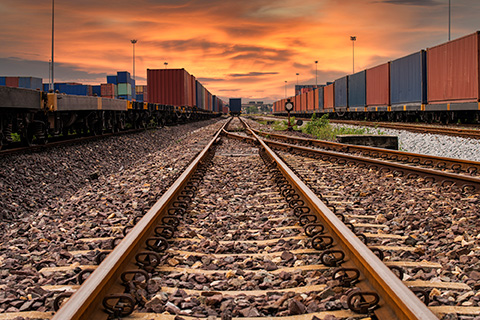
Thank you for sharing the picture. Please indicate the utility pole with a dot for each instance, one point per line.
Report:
(52, 84)
(353, 38)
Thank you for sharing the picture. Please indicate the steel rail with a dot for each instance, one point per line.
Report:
(444, 178)
(402, 302)
(386, 154)
(467, 133)
(86, 302)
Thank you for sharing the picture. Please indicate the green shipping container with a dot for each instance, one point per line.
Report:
(124, 89)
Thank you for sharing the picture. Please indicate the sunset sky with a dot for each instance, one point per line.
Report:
(235, 48)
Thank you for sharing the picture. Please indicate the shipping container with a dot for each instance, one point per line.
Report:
(124, 89)
(453, 70)
(107, 89)
(320, 100)
(123, 77)
(139, 97)
(357, 90)
(112, 79)
(72, 89)
(299, 89)
(304, 101)
(97, 90)
(312, 100)
(170, 87)
(30, 83)
(408, 79)
(341, 93)
(225, 109)
(2, 81)
(297, 103)
(378, 85)
(329, 96)
(11, 82)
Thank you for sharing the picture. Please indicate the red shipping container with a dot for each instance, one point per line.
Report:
(11, 82)
(329, 96)
(107, 90)
(304, 100)
(378, 85)
(169, 87)
(311, 98)
(453, 70)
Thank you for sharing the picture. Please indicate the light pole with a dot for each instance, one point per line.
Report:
(316, 69)
(52, 86)
(133, 43)
(297, 77)
(285, 89)
(166, 64)
(449, 14)
(353, 38)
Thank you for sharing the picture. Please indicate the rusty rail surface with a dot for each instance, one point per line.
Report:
(397, 301)
(457, 165)
(86, 303)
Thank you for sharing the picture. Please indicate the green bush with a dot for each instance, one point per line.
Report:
(323, 130)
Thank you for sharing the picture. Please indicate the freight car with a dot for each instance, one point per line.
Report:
(235, 106)
(439, 84)
(34, 115)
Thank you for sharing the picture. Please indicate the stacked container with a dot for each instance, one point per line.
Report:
(141, 93)
(97, 91)
(125, 85)
(108, 90)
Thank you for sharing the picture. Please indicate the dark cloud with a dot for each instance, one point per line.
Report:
(413, 2)
(251, 74)
(63, 72)
(210, 79)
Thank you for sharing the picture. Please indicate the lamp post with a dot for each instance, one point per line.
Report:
(449, 20)
(297, 77)
(285, 89)
(133, 43)
(353, 38)
(316, 69)
(52, 86)
(166, 64)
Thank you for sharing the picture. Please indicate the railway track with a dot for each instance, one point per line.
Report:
(460, 132)
(237, 248)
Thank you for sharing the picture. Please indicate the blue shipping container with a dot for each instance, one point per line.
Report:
(97, 90)
(408, 77)
(112, 79)
(320, 97)
(341, 92)
(30, 83)
(2, 81)
(123, 77)
(139, 97)
(357, 89)
(75, 89)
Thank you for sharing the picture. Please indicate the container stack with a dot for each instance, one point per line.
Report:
(108, 90)
(22, 82)
(141, 93)
(125, 85)
(97, 91)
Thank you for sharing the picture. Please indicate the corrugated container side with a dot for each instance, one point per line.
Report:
(11, 82)
(453, 70)
(311, 98)
(357, 89)
(97, 90)
(320, 98)
(123, 77)
(2, 81)
(235, 104)
(124, 89)
(329, 96)
(341, 92)
(304, 100)
(297, 103)
(168, 87)
(408, 79)
(107, 89)
(30, 83)
(378, 85)
(112, 79)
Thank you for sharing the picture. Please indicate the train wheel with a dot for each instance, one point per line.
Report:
(27, 135)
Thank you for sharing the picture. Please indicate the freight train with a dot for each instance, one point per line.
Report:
(33, 116)
(439, 84)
